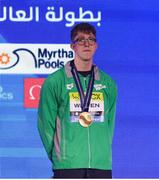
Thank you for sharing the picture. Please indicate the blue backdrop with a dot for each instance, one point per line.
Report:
(127, 34)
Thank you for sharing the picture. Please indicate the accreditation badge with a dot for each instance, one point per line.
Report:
(85, 119)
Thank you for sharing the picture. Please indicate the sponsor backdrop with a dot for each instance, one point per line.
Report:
(34, 42)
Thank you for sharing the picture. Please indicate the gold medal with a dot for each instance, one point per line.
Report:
(85, 119)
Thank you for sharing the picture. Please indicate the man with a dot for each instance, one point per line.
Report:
(77, 112)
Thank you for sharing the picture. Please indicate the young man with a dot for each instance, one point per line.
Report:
(77, 112)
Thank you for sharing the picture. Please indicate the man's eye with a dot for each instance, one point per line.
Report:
(81, 40)
(91, 39)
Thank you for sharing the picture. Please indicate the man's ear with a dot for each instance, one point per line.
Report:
(96, 46)
(72, 46)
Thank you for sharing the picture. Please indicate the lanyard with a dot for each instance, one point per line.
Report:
(85, 99)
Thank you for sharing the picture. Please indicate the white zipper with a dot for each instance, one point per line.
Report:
(85, 83)
(89, 150)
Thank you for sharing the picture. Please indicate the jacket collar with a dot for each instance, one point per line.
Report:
(69, 73)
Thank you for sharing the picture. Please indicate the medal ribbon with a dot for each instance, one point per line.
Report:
(85, 99)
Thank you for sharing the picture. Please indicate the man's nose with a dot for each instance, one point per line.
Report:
(86, 42)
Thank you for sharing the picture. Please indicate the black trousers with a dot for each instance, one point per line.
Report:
(82, 173)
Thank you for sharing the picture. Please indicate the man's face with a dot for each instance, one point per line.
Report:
(84, 46)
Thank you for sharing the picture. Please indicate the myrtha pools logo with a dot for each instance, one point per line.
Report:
(33, 59)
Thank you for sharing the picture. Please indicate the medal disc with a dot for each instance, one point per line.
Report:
(85, 119)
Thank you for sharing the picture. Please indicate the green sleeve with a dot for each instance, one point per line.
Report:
(47, 112)
(112, 109)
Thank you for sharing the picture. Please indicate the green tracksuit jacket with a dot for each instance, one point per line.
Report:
(67, 143)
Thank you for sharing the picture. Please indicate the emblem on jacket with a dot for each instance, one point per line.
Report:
(69, 86)
(99, 86)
